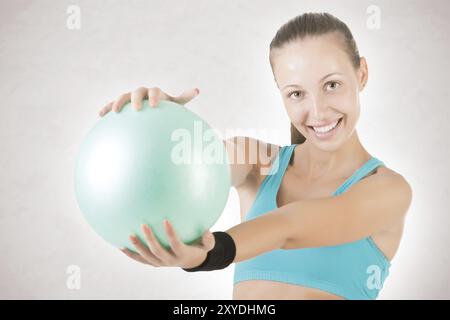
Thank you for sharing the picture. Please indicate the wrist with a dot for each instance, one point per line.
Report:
(220, 257)
(198, 262)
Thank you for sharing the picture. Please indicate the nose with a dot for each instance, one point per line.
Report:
(318, 107)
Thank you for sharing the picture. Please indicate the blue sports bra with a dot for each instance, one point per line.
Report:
(354, 270)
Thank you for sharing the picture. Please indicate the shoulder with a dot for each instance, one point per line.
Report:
(249, 155)
(257, 152)
(394, 180)
(385, 189)
(385, 171)
(267, 153)
(259, 149)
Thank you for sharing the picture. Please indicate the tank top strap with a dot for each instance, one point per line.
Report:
(280, 164)
(368, 167)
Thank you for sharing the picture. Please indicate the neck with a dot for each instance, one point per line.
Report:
(313, 163)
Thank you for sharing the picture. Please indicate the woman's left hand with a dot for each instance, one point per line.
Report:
(179, 254)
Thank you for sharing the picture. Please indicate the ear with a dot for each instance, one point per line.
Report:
(363, 74)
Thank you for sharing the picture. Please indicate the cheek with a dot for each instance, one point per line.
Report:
(297, 114)
(345, 101)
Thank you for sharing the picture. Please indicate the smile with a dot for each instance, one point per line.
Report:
(326, 131)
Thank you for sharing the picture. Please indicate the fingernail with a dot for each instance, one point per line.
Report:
(197, 90)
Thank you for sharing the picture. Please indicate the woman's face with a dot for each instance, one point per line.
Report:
(319, 85)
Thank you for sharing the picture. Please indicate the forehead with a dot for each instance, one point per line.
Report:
(310, 59)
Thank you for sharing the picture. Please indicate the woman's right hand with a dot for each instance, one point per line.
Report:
(153, 94)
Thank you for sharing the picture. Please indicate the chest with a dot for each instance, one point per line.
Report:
(293, 188)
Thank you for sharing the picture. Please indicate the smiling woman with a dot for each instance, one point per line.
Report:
(334, 239)
(303, 235)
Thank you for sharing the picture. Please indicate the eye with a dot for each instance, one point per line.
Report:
(334, 85)
(292, 92)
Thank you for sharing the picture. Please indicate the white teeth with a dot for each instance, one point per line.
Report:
(326, 128)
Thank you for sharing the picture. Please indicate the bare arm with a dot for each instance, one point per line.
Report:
(372, 205)
(248, 155)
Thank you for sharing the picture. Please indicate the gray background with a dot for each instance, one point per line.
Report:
(54, 80)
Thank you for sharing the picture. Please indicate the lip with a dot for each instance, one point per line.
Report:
(323, 124)
(329, 134)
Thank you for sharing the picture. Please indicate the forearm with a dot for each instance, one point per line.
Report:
(257, 236)
(299, 224)
(251, 238)
(318, 222)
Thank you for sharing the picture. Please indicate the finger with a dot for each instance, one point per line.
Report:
(208, 240)
(105, 109)
(123, 99)
(137, 96)
(145, 252)
(134, 256)
(186, 96)
(176, 245)
(205, 242)
(155, 247)
(154, 95)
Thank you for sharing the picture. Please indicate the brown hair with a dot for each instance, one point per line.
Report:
(312, 24)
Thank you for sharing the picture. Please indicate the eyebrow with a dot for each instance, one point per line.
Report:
(330, 74)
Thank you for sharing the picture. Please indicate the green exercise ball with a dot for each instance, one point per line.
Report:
(138, 167)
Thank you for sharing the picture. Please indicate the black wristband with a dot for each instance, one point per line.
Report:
(219, 257)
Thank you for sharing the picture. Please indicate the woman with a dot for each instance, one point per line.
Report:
(327, 220)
